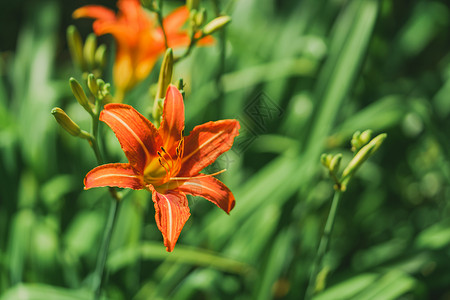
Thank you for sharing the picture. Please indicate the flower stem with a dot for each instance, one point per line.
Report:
(98, 280)
(101, 261)
(191, 45)
(161, 23)
(323, 245)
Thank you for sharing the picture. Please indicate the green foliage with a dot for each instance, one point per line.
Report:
(319, 71)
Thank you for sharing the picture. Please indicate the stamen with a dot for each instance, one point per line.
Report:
(165, 161)
(171, 165)
(203, 176)
(162, 165)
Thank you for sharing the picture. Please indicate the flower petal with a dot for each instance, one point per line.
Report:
(207, 142)
(172, 124)
(175, 20)
(206, 41)
(96, 12)
(137, 135)
(211, 189)
(120, 32)
(119, 175)
(171, 212)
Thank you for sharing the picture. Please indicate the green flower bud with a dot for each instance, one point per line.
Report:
(79, 94)
(216, 24)
(92, 84)
(66, 122)
(192, 4)
(75, 44)
(100, 56)
(363, 154)
(335, 163)
(90, 47)
(200, 17)
(165, 74)
(365, 136)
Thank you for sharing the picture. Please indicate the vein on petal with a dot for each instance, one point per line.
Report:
(202, 145)
(147, 154)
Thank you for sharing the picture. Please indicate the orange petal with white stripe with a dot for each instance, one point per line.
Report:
(138, 136)
(171, 213)
(118, 175)
(172, 124)
(206, 143)
(211, 189)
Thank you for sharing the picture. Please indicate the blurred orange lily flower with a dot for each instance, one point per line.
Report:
(165, 162)
(140, 41)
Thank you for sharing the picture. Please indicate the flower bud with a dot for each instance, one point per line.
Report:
(75, 44)
(335, 163)
(192, 4)
(100, 56)
(325, 159)
(365, 136)
(92, 84)
(216, 24)
(200, 17)
(165, 74)
(360, 139)
(363, 154)
(66, 122)
(90, 46)
(79, 94)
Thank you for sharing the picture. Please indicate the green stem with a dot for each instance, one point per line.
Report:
(101, 261)
(323, 245)
(192, 43)
(161, 23)
(98, 280)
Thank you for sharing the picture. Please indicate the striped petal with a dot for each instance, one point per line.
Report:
(119, 175)
(211, 189)
(171, 213)
(172, 124)
(137, 135)
(206, 143)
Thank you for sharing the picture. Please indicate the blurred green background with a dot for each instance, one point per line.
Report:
(301, 76)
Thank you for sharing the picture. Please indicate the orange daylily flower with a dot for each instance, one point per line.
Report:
(165, 162)
(140, 41)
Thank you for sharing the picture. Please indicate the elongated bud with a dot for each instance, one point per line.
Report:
(355, 141)
(335, 163)
(192, 22)
(200, 17)
(360, 139)
(75, 44)
(100, 56)
(165, 74)
(106, 91)
(90, 46)
(363, 154)
(79, 94)
(192, 4)
(66, 122)
(325, 159)
(216, 24)
(365, 136)
(378, 140)
(92, 84)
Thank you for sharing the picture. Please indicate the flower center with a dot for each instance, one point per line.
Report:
(167, 165)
